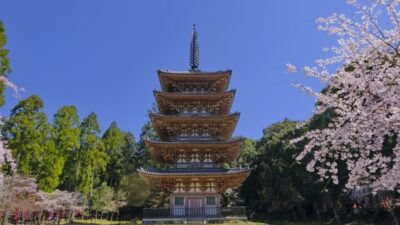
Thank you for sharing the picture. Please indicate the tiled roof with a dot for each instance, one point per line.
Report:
(234, 115)
(194, 94)
(193, 72)
(190, 143)
(193, 171)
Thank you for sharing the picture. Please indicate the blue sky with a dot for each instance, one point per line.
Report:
(102, 56)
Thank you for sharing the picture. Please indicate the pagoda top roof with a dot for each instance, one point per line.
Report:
(195, 118)
(180, 80)
(194, 143)
(190, 95)
(192, 171)
(193, 72)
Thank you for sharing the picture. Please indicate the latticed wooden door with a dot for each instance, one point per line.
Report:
(195, 207)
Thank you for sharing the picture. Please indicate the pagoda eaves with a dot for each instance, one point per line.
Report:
(184, 81)
(173, 103)
(174, 152)
(208, 180)
(194, 128)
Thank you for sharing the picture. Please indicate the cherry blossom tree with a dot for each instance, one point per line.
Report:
(17, 193)
(62, 202)
(364, 94)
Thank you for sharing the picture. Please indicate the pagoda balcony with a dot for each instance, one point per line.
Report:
(183, 214)
(195, 113)
(170, 127)
(170, 152)
(167, 179)
(194, 103)
(197, 165)
(193, 139)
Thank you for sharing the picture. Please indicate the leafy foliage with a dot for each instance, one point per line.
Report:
(5, 67)
(275, 173)
(247, 152)
(143, 155)
(130, 158)
(102, 199)
(136, 189)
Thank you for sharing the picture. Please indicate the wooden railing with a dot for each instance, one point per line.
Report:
(196, 165)
(204, 212)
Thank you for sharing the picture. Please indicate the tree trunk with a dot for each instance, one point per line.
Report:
(90, 198)
(111, 179)
(31, 216)
(396, 222)
(5, 218)
(91, 186)
(118, 215)
(302, 211)
(318, 212)
(335, 213)
(294, 214)
(22, 218)
(59, 219)
(71, 215)
(41, 217)
(111, 217)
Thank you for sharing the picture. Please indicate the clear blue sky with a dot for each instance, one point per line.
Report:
(102, 56)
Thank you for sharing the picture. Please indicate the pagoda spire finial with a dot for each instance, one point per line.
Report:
(194, 51)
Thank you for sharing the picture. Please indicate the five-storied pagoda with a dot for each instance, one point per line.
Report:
(194, 126)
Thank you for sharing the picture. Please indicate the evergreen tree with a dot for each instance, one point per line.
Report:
(247, 153)
(129, 153)
(92, 158)
(24, 132)
(51, 167)
(142, 154)
(271, 186)
(5, 68)
(28, 135)
(66, 133)
(113, 140)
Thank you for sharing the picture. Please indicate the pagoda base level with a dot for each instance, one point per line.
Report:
(192, 220)
(193, 215)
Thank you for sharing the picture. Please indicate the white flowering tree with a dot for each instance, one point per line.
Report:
(364, 95)
(17, 193)
(63, 202)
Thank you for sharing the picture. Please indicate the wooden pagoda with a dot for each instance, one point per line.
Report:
(194, 126)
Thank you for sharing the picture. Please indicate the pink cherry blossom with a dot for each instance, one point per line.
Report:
(364, 94)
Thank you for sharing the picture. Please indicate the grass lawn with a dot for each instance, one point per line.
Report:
(292, 223)
(104, 222)
(101, 222)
